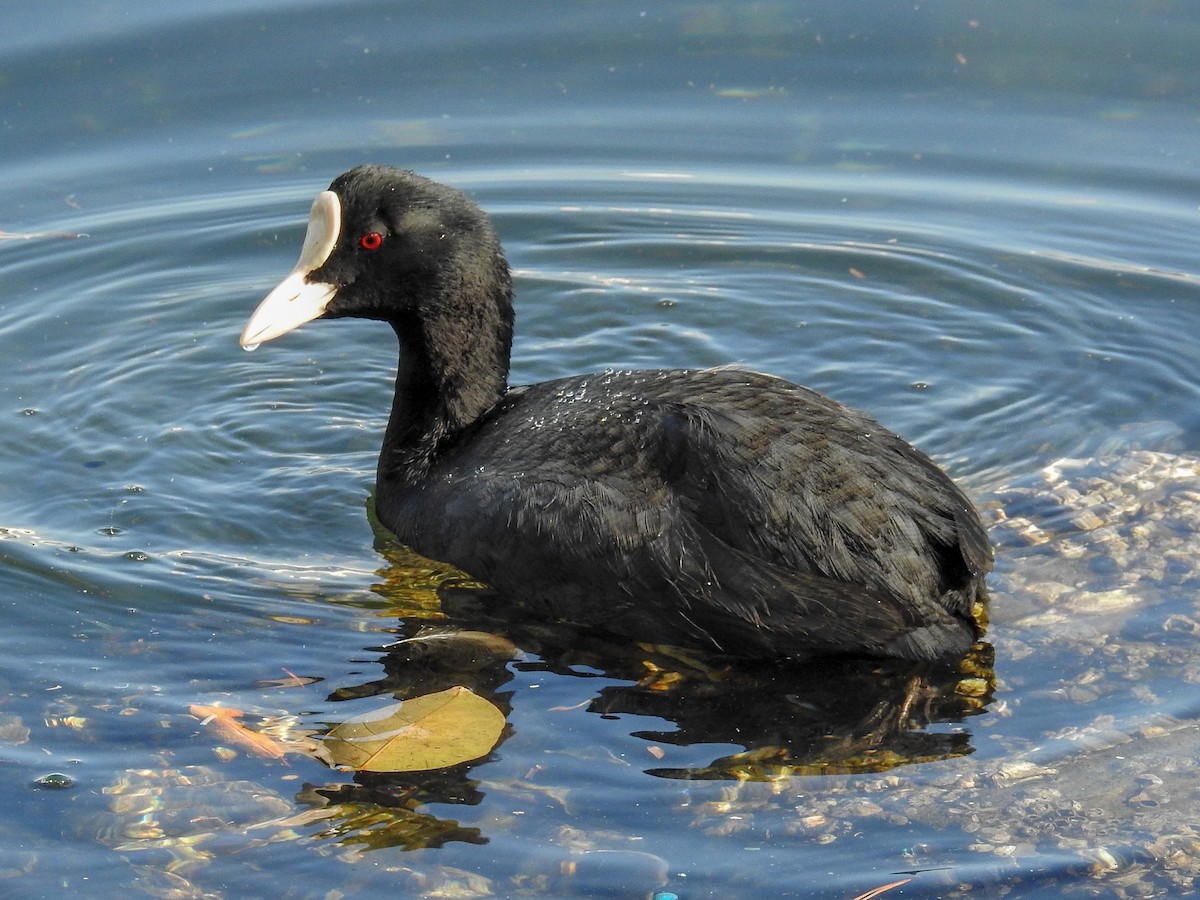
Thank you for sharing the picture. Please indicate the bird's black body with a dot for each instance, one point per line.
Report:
(718, 508)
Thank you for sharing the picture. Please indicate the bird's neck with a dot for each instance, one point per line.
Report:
(451, 371)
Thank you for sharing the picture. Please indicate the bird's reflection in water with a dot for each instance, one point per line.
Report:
(821, 716)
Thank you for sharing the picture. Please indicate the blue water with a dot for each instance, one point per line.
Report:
(975, 221)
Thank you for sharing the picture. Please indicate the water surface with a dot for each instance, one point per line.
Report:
(975, 222)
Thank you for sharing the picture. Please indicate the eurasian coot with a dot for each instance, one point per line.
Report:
(718, 507)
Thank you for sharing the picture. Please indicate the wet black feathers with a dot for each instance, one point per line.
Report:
(716, 507)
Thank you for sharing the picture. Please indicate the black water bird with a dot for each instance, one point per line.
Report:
(718, 508)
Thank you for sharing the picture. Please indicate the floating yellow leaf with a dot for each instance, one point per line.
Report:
(430, 732)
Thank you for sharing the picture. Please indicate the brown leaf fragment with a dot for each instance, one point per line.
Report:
(293, 680)
(222, 722)
(875, 892)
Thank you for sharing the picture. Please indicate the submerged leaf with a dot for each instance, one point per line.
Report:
(430, 732)
(222, 722)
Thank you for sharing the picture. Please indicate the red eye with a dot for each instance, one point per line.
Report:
(372, 240)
